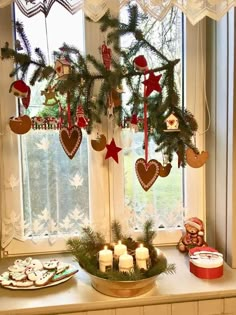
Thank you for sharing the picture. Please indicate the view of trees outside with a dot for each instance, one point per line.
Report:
(164, 200)
(55, 188)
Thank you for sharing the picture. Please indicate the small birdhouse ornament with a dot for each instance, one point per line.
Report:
(62, 68)
(172, 123)
(82, 121)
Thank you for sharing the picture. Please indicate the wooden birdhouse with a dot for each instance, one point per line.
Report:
(172, 123)
(62, 68)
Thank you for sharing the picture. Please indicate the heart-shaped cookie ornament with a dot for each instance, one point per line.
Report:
(20, 125)
(70, 139)
(196, 160)
(147, 172)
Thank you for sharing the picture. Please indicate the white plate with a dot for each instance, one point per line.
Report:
(33, 287)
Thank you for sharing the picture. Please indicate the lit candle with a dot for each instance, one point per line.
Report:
(105, 259)
(120, 249)
(141, 255)
(126, 263)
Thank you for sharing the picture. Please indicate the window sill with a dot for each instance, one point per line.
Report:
(77, 295)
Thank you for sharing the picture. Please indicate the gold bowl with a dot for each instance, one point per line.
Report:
(122, 289)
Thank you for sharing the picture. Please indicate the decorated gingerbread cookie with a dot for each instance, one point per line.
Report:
(64, 274)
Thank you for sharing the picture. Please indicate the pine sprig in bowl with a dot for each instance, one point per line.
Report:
(85, 249)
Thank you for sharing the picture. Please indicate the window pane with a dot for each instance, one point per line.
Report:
(163, 202)
(55, 188)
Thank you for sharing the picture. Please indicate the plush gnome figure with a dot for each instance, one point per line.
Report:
(140, 63)
(193, 235)
(20, 89)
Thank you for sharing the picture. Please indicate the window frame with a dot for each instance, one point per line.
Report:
(112, 176)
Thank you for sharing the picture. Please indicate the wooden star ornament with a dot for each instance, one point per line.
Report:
(152, 83)
(112, 151)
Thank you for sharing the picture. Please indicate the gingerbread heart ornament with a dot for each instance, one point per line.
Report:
(70, 139)
(147, 173)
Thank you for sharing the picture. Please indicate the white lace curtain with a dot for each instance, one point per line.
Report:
(195, 10)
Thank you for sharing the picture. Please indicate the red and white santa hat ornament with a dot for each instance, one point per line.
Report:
(197, 223)
(20, 89)
(140, 63)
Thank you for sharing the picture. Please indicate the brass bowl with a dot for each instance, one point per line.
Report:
(122, 289)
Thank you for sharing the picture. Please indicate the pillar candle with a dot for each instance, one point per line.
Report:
(141, 255)
(126, 263)
(105, 259)
(120, 249)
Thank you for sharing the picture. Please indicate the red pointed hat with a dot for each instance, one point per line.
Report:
(197, 223)
(140, 63)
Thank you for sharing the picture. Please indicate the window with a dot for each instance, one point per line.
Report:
(105, 186)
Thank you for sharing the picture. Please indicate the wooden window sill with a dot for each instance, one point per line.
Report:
(77, 295)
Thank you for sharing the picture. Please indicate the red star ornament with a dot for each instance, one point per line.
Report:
(152, 83)
(112, 151)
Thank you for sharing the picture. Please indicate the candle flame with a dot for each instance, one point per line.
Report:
(105, 247)
(141, 245)
(119, 242)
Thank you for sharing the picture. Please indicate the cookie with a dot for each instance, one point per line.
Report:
(36, 264)
(64, 274)
(35, 274)
(61, 267)
(18, 276)
(23, 284)
(16, 268)
(51, 264)
(4, 276)
(45, 278)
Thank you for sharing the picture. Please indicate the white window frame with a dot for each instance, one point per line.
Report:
(111, 178)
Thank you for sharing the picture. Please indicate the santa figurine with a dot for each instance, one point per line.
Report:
(193, 235)
(82, 121)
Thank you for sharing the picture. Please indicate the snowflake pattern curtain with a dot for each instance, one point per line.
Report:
(195, 10)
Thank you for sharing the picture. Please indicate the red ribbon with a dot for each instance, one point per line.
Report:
(145, 124)
(68, 111)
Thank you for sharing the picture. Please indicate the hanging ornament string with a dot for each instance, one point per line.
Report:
(145, 123)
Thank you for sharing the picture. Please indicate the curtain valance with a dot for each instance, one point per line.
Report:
(195, 10)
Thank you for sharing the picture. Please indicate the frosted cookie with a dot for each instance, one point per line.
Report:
(45, 278)
(51, 264)
(16, 268)
(18, 276)
(7, 282)
(61, 267)
(36, 264)
(35, 274)
(23, 284)
(64, 274)
(5, 276)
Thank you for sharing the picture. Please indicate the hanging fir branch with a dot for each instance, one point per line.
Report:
(80, 82)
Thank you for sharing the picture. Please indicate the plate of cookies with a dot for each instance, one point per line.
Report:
(31, 274)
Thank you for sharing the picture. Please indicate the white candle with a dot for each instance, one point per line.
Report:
(120, 249)
(126, 263)
(105, 259)
(141, 255)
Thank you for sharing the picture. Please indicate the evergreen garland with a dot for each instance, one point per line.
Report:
(86, 247)
(80, 82)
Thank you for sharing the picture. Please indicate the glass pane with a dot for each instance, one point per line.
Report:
(55, 188)
(163, 202)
